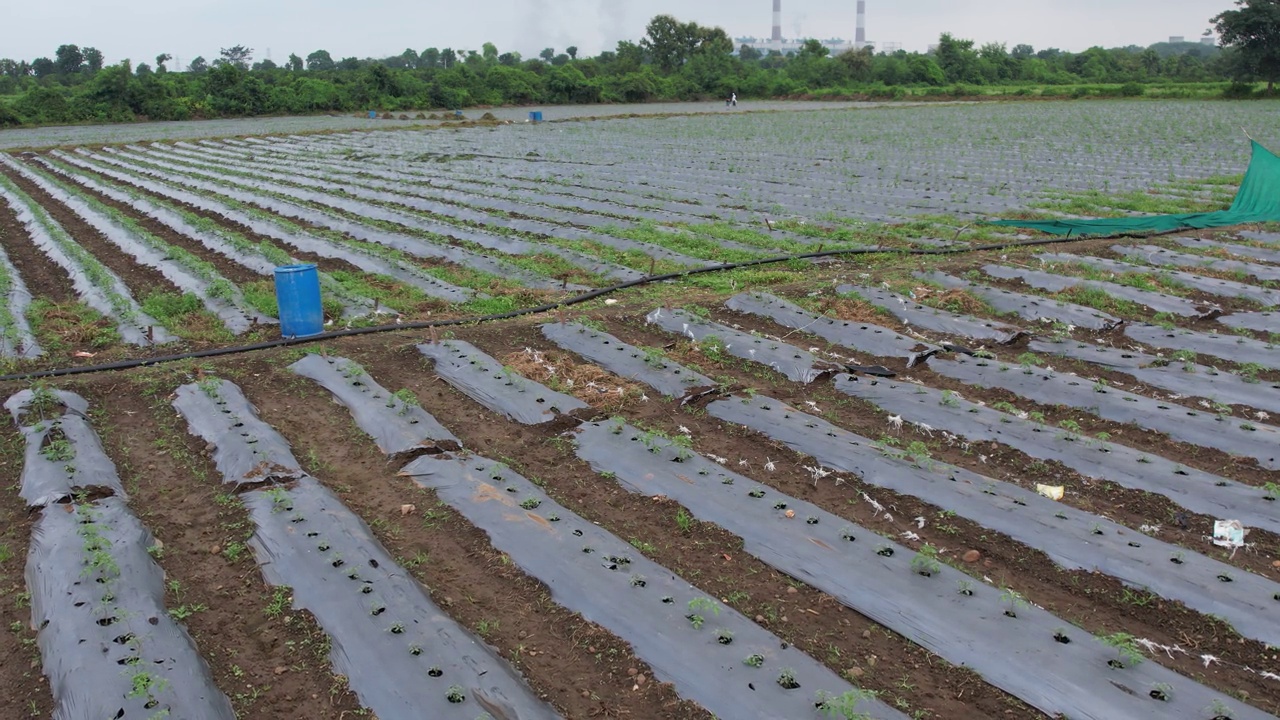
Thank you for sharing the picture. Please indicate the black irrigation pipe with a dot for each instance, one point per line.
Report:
(577, 299)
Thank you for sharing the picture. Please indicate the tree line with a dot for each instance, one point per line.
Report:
(674, 61)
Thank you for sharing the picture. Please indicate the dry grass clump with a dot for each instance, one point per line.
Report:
(589, 383)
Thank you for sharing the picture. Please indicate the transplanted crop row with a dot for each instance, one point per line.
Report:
(652, 465)
(1256, 251)
(392, 208)
(598, 574)
(186, 271)
(683, 239)
(1181, 375)
(1193, 260)
(110, 648)
(1126, 272)
(504, 194)
(99, 287)
(539, 213)
(1205, 428)
(760, 182)
(521, 183)
(1078, 538)
(16, 338)
(361, 256)
(307, 540)
(259, 258)
(363, 220)
(918, 452)
(1054, 282)
(471, 269)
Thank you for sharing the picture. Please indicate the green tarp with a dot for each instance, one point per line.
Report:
(1257, 201)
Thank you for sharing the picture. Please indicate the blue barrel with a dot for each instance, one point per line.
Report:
(298, 297)
(373, 114)
(535, 116)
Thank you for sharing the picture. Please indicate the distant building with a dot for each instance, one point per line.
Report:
(786, 46)
(1209, 40)
(1177, 39)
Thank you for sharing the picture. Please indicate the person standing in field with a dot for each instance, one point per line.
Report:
(733, 99)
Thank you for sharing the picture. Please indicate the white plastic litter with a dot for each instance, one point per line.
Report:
(1229, 534)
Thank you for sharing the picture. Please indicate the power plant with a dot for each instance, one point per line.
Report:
(784, 45)
(860, 38)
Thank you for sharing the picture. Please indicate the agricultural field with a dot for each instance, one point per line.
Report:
(941, 473)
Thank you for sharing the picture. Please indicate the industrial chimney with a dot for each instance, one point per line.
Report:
(860, 39)
(777, 21)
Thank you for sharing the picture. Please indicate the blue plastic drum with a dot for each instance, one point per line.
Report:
(298, 297)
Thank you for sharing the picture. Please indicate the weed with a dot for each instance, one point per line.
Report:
(182, 612)
(754, 661)
(684, 521)
(644, 547)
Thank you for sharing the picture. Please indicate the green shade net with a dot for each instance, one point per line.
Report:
(1257, 201)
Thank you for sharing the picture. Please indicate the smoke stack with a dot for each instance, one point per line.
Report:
(777, 21)
(860, 39)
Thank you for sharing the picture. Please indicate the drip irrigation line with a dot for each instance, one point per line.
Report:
(548, 307)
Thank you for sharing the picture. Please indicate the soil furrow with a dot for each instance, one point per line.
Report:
(26, 690)
(270, 660)
(43, 277)
(581, 668)
(140, 279)
(225, 266)
(1098, 603)
(845, 641)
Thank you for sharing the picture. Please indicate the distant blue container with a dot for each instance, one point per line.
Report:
(298, 297)
(535, 116)
(457, 113)
(373, 114)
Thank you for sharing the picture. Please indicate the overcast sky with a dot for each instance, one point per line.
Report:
(142, 29)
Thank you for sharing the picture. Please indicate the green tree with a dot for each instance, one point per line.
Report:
(547, 54)
(572, 52)
(161, 59)
(746, 53)
(448, 57)
(429, 58)
(668, 42)
(295, 62)
(489, 52)
(857, 63)
(92, 60)
(237, 55)
(69, 59)
(198, 65)
(320, 60)
(957, 59)
(509, 59)
(43, 67)
(1254, 31)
